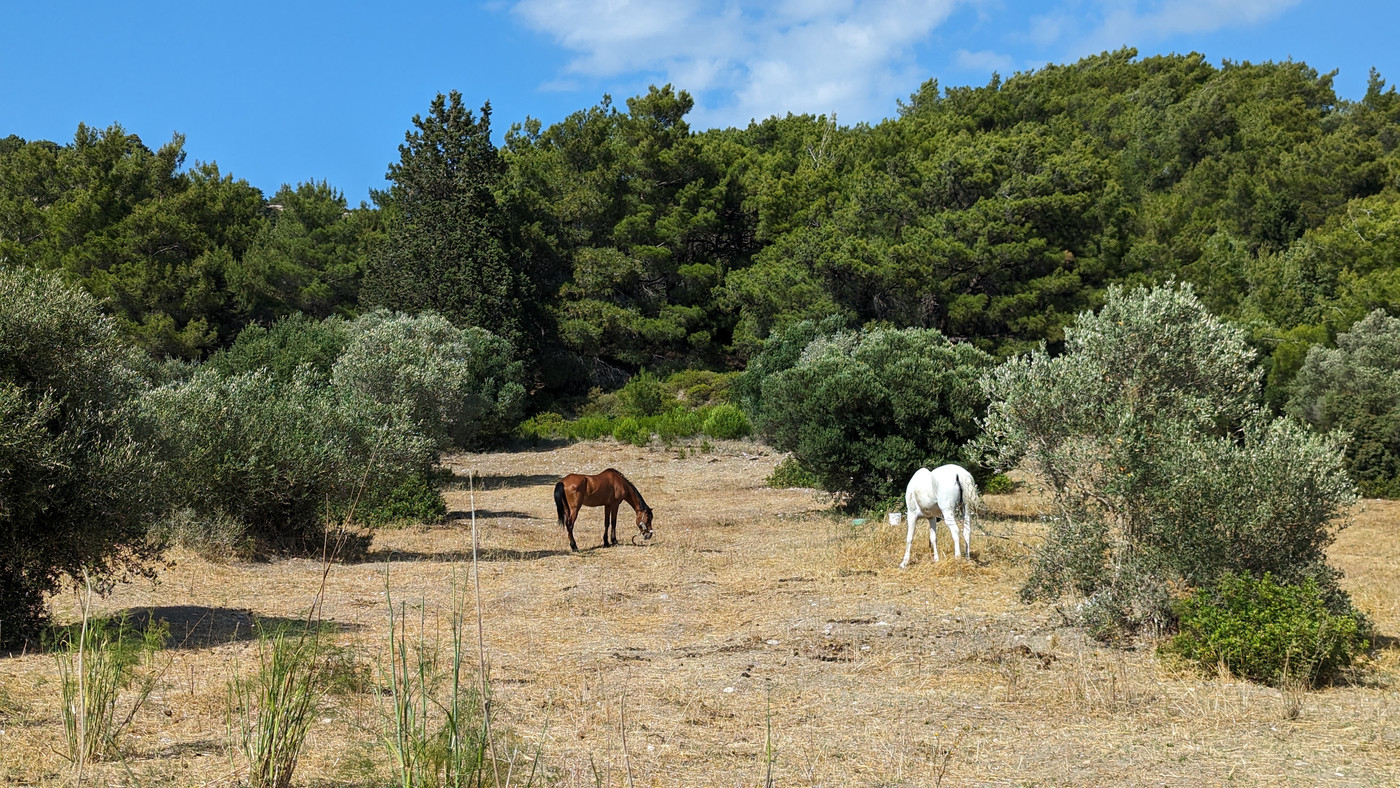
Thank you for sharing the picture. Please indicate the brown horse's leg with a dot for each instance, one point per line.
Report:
(569, 523)
(609, 520)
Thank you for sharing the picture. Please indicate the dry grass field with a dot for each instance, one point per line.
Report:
(760, 632)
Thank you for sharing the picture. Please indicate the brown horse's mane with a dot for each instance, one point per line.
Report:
(633, 488)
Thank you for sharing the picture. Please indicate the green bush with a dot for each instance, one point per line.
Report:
(414, 500)
(589, 428)
(1268, 632)
(864, 410)
(282, 459)
(1356, 387)
(790, 473)
(726, 422)
(998, 484)
(289, 344)
(642, 396)
(76, 490)
(699, 387)
(459, 387)
(630, 430)
(542, 426)
(675, 424)
(1165, 468)
(601, 403)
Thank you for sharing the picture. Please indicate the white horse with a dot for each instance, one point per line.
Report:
(936, 491)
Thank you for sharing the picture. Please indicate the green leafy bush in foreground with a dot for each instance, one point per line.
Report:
(1166, 470)
(76, 491)
(1267, 631)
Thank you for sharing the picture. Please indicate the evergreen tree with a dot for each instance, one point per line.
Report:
(445, 248)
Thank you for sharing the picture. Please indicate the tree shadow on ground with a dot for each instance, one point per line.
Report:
(512, 482)
(482, 514)
(196, 626)
(485, 554)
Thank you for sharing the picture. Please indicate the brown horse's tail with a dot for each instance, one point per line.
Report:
(559, 501)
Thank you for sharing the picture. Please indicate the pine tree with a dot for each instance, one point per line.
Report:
(445, 248)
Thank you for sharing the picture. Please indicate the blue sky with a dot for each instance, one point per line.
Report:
(295, 91)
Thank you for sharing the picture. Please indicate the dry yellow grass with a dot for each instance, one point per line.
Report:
(754, 610)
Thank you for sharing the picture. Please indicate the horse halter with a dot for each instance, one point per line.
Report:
(643, 524)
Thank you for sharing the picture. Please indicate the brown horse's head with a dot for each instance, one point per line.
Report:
(644, 521)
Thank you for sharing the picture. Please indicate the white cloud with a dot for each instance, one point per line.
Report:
(746, 60)
(1128, 23)
(986, 61)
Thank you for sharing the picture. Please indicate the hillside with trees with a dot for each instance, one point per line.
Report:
(622, 238)
(488, 284)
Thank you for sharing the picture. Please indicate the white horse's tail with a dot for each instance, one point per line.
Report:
(971, 500)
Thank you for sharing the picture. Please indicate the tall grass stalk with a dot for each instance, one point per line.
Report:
(94, 670)
(272, 712)
(437, 722)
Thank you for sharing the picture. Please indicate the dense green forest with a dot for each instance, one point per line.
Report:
(620, 238)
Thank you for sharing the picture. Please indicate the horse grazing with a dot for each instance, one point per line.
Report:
(608, 490)
(943, 487)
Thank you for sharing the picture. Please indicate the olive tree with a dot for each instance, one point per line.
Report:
(76, 492)
(1166, 471)
(1356, 387)
(459, 387)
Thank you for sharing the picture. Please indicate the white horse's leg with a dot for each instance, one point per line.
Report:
(967, 529)
(933, 535)
(912, 516)
(952, 521)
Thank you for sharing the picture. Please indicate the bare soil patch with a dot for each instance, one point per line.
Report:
(758, 626)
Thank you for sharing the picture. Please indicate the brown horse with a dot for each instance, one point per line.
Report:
(607, 489)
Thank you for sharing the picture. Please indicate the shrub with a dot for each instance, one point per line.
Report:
(542, 426)
(590, 428)
(699, 387)
(601, 403)
(642, 396)
(457, 386)
(282, 459)
(289, 344)
(790, 473)
(630, 430)
(998, 484)
(726, 422)
(1266, 631)
(1356, 387)
(1166, 471)
(676, 423)
(864, 410)
(76, 490)
(780, 352)
(415, 499)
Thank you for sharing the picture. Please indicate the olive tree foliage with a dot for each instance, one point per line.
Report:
(75, 491)
(459, 387)
(1166, 471)
(1356, 387)
(863, 410)
(276, 460)
(309, 421)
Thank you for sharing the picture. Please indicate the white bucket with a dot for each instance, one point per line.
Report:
(896, 518)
